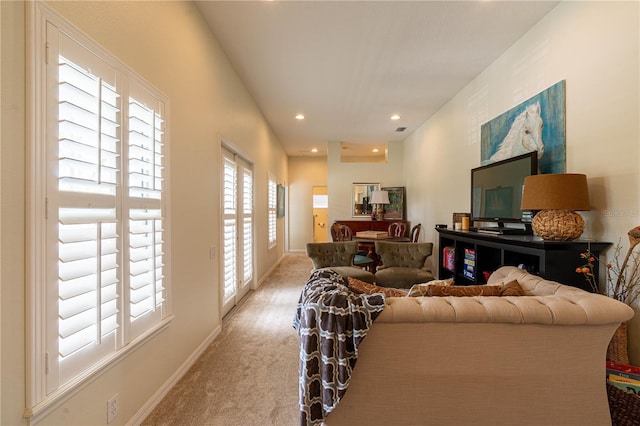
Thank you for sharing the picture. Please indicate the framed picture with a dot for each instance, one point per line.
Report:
(280, 202)
(396, 209)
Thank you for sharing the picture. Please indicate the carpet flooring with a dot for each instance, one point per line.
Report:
(249, 374)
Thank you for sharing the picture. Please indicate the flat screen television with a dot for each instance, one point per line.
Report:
(496, 189)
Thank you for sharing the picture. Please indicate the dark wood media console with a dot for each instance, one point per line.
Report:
(477, 253)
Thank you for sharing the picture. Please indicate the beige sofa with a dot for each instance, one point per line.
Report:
(536, 360)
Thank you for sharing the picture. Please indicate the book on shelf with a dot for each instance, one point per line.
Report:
(621, 384)
(372, 234)
(449, 258)
(469, 263)
(631, 369)
(624, 376)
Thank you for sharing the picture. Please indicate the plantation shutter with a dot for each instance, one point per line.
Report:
(229, 225)
(247, 221)
(103, 234)
(145, 209)
(272, 211)
(83, 209)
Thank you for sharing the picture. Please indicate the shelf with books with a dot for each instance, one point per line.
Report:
(553, 260)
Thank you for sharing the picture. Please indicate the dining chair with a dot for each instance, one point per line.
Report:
(341, 232)
(415, 233)
(397, 229)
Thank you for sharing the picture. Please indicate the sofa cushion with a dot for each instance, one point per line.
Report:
(361, 287)
(421, 289)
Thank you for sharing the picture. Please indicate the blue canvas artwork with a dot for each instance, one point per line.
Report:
(538, 124)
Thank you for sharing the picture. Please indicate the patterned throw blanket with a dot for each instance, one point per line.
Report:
(331, 321)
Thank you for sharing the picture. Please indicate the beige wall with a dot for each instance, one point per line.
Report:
(343, 175)
(12, 199)
(594, 46)
(304, 174)
(168, 44)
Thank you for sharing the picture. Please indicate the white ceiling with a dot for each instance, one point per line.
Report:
(349, 65)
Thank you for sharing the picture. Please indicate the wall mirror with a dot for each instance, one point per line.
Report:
(361, 194)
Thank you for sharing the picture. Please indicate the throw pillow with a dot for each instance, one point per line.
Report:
(418, 290)
(463, 290)
(512, 288)
(361, 287)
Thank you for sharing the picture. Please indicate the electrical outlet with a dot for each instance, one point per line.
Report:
(112, 408)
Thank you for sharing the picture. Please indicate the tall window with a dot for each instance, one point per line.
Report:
(272, 202)
(99, 244)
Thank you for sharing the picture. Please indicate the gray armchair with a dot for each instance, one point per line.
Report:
(404, 264)
(338, 256)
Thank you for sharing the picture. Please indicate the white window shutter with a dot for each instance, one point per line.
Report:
(247, 223)
(98, 217)
(85, 149)
(272, 210)
(229, 226)
(145, 205)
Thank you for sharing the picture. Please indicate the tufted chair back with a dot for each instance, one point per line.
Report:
(338, 256)
(404, 255)
(332, 254)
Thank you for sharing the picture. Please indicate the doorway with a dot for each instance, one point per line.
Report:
(320, 214)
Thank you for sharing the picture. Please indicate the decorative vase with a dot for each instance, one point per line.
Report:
(617, 350)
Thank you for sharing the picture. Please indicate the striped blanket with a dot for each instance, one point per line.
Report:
(331, 322)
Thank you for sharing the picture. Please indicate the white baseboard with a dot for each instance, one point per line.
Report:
(148, 407)
(266, 275)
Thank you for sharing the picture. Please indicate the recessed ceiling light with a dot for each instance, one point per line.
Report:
(395, 117)
(375, 150)
(314, 150)
(299, 117)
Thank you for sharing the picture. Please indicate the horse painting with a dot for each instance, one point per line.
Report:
(525, 135)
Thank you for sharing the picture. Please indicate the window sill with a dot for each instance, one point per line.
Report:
(36, 413)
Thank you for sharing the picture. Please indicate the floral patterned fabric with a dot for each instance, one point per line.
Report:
(331, 322)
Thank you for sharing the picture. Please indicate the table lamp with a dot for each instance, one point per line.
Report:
(380, 198)
(557, 197)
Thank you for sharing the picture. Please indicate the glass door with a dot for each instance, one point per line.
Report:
(237, 229)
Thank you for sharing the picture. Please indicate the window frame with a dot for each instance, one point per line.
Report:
(40, 400)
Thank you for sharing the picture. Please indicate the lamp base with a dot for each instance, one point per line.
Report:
(380, 213)
(558, 225)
